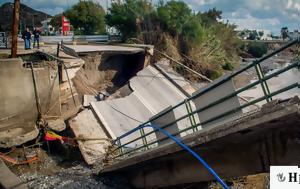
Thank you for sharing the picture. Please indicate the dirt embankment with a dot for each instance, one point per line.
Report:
(107, 72)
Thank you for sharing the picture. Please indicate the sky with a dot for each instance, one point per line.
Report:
(246, 14)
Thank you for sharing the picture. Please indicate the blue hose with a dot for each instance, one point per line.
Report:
(190, 151)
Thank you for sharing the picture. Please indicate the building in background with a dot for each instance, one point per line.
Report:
(267, 34)
(47, 29)
(294, 35)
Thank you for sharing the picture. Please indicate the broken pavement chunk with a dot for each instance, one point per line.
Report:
(93, 141)
(56, 124)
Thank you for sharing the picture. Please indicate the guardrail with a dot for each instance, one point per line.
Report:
(88, 38)
(126, 148)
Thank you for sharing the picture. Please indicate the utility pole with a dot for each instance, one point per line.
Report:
(15, 27)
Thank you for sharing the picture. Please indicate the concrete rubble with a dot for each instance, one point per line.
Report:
(57, 125)
(96, 96)
(92, 139)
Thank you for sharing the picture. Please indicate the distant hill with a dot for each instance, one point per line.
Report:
(27, 16)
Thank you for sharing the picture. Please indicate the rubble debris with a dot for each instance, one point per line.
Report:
(9, 179)
(93, 139)
(17, 162)
(16, 132)
(75, 177)
(57, 125)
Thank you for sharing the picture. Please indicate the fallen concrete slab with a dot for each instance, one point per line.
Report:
(119, 116)
(182, 84)
(213, 95)
(158, 93)
(152, 93)
(154, 90)
(91, 136)
(88, 99)
(8, 179)
(14, 133)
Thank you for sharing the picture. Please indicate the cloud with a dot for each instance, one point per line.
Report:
(262, 14)
(267, 14)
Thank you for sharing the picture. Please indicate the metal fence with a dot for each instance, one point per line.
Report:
(125, 149)
(88, 38)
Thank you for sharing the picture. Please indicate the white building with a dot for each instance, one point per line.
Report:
(46, 27)
(294, 35)
(267, 34)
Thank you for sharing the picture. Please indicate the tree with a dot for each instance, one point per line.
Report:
(284, 32)
(87, 17)
(257, 49)
(193, 31)
(211, 16)
(260, 33)
(56, 21)
(128, 17)
(174, 15)
(253, 35)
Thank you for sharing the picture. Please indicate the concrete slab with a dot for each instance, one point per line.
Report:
(87, 99)
(166, 119)
(154, 90)
(121, 115)
(104, 48)
(152, 93)
(86, 126)
(181, 83)
(158, 93)
(8, 179)
(17, 132)
(214, 95)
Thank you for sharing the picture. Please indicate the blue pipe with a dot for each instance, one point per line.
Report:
(190, 151)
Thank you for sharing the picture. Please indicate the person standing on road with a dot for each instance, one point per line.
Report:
(36, 39)
(27, 37)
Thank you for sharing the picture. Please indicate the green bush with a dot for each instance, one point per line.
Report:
(210, 43)
(257, 49)
(173, 16)
(228, 66)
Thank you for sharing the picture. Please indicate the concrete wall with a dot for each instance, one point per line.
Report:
(17, 90)
(18, 110)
